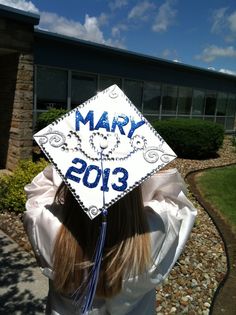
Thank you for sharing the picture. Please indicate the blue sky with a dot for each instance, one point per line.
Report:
(198, 33)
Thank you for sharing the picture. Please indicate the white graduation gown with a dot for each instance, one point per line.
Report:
(170, 215)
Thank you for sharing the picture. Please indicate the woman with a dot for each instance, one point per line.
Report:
(144, 240)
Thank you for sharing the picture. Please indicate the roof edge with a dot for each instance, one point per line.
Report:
(148, 58)
(19, 15)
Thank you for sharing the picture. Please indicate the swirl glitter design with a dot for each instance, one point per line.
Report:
(151, 154)
(113, 93)
(93, 210)
(55, 138)
(166, 158)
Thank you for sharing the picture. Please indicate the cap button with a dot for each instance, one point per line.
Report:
(103, 144)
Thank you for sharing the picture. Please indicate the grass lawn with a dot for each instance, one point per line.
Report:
(218, 187)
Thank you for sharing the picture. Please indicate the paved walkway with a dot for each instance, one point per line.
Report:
(22, 286)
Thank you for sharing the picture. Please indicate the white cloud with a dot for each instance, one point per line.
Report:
(227, 71)
(224, 24)
(89, 30)
(21, 5)
(103, 19)
(117, 4)
(213, 52)
(232, 22)
(170, 54)
(165, 16)
(219, 20)
(140, 10)
(116, 30)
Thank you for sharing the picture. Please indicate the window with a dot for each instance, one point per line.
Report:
(184, 100)
(221, 104)
(210, 103)
(151, 98)
(133, 90)
(105, 82)
(169, 99)
(198, 102)
(229, 125)
(231, 108)
(51, 88)
(83, 87)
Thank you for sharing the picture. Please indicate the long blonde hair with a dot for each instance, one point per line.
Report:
(127, 245)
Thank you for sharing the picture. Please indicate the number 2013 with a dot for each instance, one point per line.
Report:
(92, 174)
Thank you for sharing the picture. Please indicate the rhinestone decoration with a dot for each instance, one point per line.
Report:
(103, 148)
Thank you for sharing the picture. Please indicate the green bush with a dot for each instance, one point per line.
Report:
(191, 138)
(12, 195)
(46, 118)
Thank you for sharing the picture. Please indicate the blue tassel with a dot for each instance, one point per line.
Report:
(86, 298)
(92, 285)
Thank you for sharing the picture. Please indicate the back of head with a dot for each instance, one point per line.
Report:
(127, 244)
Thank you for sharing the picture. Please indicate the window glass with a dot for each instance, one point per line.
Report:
(169, 99)
(184, 100)
(151, 98)
(105, 82)
(198, 102)
(221, 104)
(83, 87)
(229, 125)
(133, 89)
(210, 103)
(51, 88)
(231, 108)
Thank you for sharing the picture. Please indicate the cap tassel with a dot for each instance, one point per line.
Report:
(86, 298)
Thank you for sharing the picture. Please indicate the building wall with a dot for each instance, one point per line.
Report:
(69, 71)
(16, 93)
(20, 140)
(8, 66)
(59, 52)
(67, 88)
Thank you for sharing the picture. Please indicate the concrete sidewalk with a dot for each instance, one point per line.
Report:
(23, 288)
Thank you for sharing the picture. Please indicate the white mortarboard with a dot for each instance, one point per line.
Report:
(110, 127)
(103, 149)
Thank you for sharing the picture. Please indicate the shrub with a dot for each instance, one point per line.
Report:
(46, 118)
(12, 195)
(191, 138)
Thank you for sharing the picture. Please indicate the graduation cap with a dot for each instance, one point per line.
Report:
(102, 149)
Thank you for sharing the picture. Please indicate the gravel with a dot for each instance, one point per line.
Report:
(190, 287)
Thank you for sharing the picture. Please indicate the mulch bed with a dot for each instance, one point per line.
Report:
(193, 282)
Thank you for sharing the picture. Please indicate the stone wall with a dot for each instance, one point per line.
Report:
(16, 92)
(20, 140)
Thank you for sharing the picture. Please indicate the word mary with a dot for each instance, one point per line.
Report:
(119, 122)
